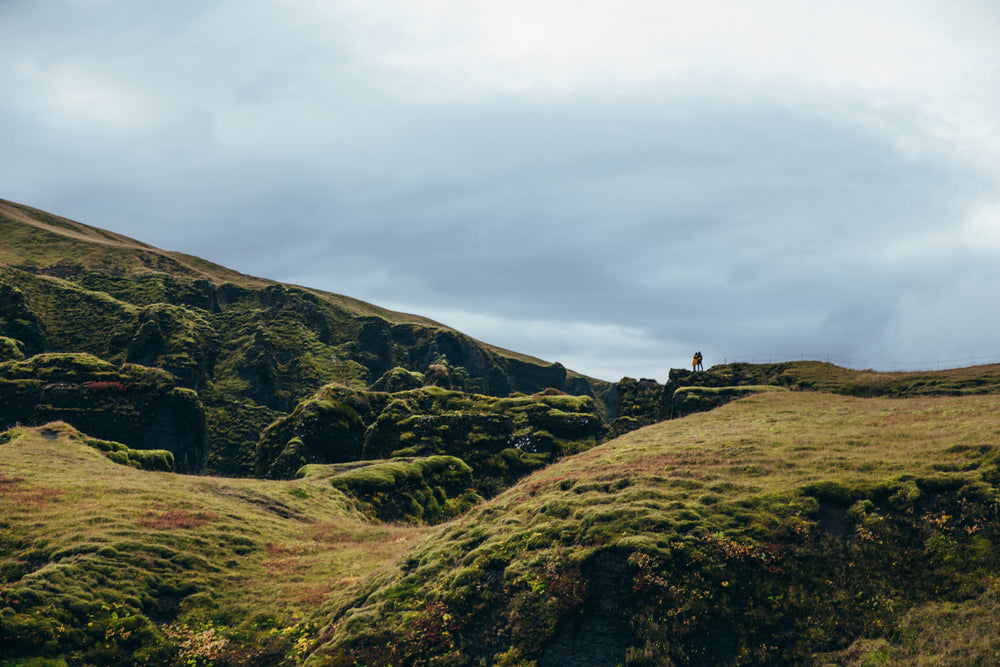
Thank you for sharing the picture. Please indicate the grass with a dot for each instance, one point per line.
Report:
(785, 527)
(235, 339)
(819, 376)
(767, 531)
(108, 564)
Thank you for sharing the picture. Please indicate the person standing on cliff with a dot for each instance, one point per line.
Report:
(696, 362)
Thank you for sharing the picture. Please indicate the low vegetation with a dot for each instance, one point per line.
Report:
(438, 501)
(777, 529)
(107, 564)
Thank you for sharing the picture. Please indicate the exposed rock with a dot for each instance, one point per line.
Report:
(17, 321)
(140, 407)
(500, 438)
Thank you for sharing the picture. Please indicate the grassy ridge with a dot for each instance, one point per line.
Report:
(771, 531)
(820, 376)
(105, 564)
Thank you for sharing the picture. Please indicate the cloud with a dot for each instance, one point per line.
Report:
(606, 188)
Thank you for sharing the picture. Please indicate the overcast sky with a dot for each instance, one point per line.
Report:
(610, 185)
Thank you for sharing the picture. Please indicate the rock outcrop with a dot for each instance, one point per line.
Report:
(500, 438)
(143, 408)
(252, 349)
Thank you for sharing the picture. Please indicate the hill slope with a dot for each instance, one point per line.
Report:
(101, 563)
(783, 528)
(772, 530)
(252, 349)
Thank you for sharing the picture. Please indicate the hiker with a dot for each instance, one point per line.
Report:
(696, 362)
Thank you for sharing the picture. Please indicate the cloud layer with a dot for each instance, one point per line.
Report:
(608, 186)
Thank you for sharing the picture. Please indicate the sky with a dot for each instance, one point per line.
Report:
(609, 185)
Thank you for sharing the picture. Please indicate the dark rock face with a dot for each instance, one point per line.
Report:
(253, 352)
(500, 438)
(176, 340)
(319, 431)
(638, 403)
(600, 635)
(136, 406)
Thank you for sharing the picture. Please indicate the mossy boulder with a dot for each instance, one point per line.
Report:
(330, 427)
(143, 459)
(398, 379)
(423, 490)
(11, 349)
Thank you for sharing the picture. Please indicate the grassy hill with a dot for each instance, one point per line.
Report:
(783, 528)
(102, 563)
(252, 349)
(793, 514)
(787, 527)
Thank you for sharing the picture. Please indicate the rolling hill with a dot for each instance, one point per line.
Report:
(786, 527)
(424, 499)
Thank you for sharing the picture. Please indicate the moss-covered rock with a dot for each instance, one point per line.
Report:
(422, 490)
(11, 349)
(143, 459)
(131, 404)
(398, 379)
(500, 438)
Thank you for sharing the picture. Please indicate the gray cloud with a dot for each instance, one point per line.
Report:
(608, 227)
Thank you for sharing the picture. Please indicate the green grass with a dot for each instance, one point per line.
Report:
(107, 564)
(827, 377)
(768, 531)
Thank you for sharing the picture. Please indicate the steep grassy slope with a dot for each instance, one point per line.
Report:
(101, 563)
(778, 529)
(252, 349)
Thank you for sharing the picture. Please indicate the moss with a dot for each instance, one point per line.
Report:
(152, 459)
(11, 349)
(501, 439)
(425, 489)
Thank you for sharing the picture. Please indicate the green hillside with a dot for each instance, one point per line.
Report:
(103, 563)
(782, 528)
(422, 498)
(251, 349)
